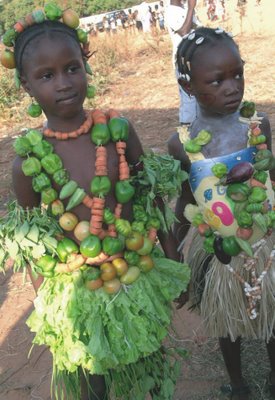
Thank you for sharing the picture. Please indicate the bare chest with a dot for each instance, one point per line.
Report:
(79, 157)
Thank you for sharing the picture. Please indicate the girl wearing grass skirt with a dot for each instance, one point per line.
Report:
(104, 292)
(229, 201)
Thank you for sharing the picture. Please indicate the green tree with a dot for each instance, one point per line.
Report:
(13, 10)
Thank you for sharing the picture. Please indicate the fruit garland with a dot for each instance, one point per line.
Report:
(50, 12)
(246, 187)
(110, 248)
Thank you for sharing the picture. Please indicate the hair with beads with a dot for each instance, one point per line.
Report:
(190, 43)
(46, 28)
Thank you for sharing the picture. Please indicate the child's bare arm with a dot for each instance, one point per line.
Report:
(175, 148)
(22, 186)
(134, 148)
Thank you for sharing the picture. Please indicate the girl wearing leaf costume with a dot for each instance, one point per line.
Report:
(104, 290)
(229, 200)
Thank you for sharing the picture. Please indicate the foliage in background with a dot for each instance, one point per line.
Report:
(11, 11)
(109, 54)
(8, 92)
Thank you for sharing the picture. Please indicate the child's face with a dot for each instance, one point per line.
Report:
(217, 78)
(54, 74)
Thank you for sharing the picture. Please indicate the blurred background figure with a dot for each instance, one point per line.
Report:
(211, 11)
(113, 26)
(106, 25)
(131, 21)
(138, 21)
(119, 22)
(220, 9)
(145, 17)
(179, 20)
(159, 15)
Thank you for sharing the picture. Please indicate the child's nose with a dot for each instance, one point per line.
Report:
(232, 86)
(63, 82)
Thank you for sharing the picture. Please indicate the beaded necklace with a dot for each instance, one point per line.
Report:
(100, 136)
(84, 128)
(108, 243)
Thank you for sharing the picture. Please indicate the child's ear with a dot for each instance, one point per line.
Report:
(186, 86)
(25, 85)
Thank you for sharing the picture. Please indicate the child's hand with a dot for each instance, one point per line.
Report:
(182, 299)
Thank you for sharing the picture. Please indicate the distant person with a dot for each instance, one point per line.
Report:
(113, 26)
(145, 17)
(160, 16)
(93, 30)
(106, 25)
(211, 11)
(220, 10)
(131, 21)
(179, 21)
(138, 20)
(119, 22)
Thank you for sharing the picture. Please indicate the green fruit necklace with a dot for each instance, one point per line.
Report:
(97, 245)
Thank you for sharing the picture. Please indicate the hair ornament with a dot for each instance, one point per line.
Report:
(218, 31)
(185, 77)
(188, 65)
(186, 36)
(230, 34)
(200, 40)
(191, 36)
(50, 12)
(182, 60)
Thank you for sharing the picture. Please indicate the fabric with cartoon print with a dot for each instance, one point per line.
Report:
(217, 208)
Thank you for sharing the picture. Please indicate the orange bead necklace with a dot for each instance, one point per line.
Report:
(84, 128)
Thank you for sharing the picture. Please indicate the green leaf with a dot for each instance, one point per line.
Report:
(21, 232)
(12, 248)
(38, 251)
(17, 79)
(2, 256)
(170, 217)
(33, 234)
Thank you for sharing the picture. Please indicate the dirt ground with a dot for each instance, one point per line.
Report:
(145, 91)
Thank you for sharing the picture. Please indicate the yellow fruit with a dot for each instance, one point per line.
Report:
(82, 230)
(120, 265)
(70, 18)
(68, 221)
(7, 59)
(112, 286)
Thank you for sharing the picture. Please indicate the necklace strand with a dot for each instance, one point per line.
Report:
(84, 128)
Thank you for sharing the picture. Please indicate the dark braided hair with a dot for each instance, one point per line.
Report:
(190, 43)
(47, 28)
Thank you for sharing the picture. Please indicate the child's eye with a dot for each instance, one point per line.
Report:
(216, 82)
(239, 76)
(47, 76)
(73, 68)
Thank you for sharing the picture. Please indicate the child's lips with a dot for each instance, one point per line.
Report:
(233, 103)
(67, 99)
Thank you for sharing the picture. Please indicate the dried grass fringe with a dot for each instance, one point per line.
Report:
(220, 295)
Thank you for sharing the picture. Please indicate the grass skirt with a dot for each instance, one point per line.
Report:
(118, 336)
(220, 296)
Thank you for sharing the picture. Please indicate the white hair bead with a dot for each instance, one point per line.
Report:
(191, 36)
(200, 40)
